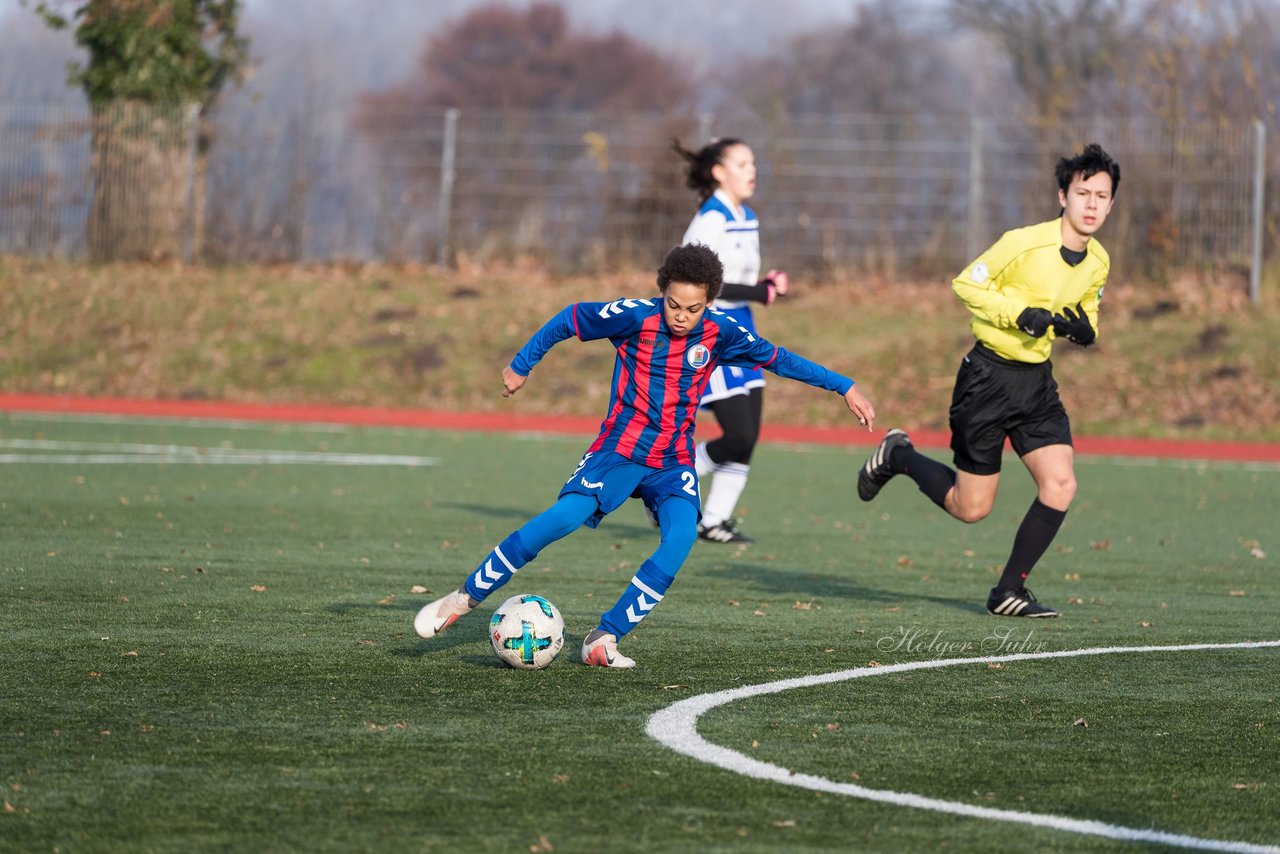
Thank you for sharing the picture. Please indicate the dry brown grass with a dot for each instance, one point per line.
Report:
(1193, 359)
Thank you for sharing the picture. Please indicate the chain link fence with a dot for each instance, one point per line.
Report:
(595, 191)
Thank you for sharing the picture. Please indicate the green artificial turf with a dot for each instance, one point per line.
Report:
(208, 656)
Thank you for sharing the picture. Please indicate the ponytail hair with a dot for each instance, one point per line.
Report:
(701, 162)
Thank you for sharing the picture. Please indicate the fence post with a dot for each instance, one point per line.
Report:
(193, 166)
(704, 131)
(445, 212)
(976, 189)
(1259, 188)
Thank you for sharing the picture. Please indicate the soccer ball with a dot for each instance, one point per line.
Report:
(527, 632)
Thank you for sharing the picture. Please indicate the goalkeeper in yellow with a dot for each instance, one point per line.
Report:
(1035, 285)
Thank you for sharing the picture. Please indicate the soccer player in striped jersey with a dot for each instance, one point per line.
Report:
(667, 349)
(1036, 284)
(723, 173)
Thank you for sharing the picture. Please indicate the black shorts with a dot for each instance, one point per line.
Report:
(994, 398)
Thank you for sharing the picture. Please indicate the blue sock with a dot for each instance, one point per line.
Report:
(645, 591)
(497, 569)
(678, 522)
(522, 546)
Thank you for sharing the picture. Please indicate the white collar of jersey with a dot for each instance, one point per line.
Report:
(738, 212)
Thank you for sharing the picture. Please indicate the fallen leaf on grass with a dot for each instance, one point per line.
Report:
(258, 588)
(1253, 787)
(542, 846)
(873, 664)
(1237, 593)
(1146, 624)
(673, 687)
(790, 822)
(560, 778)
(903, 560)
(1100, 545)
(373, 726)
(387, 600)
(133, 653)
(418, 588)
(1081, 722)
(806, 606)
(1074, 600)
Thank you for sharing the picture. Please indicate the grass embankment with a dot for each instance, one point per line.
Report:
(1191, 361)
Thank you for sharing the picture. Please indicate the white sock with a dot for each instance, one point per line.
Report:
(701, 461)
(726, 489)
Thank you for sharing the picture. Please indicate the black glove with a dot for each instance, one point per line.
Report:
(1074, 327)
(1035, 321)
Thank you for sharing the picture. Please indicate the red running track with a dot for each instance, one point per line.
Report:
(515, 422)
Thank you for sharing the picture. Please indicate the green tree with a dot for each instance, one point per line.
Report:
(154, 72)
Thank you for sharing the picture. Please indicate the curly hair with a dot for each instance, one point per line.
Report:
(1086, 164)
(701, 162)
(693, 264)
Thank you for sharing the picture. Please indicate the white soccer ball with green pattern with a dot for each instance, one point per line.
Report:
(527, 632)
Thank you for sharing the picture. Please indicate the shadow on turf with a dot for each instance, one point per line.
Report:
(466, 631)
(771, 580)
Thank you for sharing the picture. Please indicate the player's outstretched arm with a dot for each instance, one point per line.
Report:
(860, 407)
(511, 381)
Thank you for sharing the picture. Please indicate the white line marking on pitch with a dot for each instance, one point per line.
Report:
(109, 453)
(677, 727)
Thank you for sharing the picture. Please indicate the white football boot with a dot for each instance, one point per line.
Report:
(602, 651)
(442, 613)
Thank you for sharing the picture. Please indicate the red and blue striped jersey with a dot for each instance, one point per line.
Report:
(658, 377)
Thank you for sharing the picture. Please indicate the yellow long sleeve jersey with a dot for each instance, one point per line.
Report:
(1025, 268)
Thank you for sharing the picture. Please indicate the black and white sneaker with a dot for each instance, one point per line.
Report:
(725, 532)
(1016, 603)
(875, 472)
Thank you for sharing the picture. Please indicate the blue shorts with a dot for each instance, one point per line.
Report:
(612, 478)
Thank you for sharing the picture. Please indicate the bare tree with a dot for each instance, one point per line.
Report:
(155, 68)
(889, 60)
(523, 81)
(1060, 52)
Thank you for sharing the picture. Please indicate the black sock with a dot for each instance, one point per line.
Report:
(934, 479)
(1036, 532)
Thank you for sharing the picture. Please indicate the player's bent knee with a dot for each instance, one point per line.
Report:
(737, 447)
(1057, 492)
(969, 515)
(678, 528)
(969, 512)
